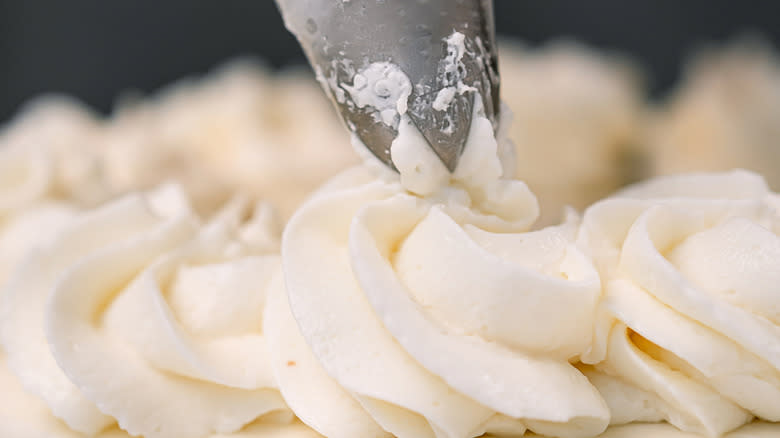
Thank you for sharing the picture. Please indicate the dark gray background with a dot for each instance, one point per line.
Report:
(95, 49)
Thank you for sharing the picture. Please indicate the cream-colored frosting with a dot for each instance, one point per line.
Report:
(50, 151)
(25, 230)
(47, 154)
(40, 177)
(689, 327)
(661, 430)
(578, 118)
(25, 178)
(23, 415)
(239, 128)
(725, 114)
(138, 316)
(435, 315)
(415, 304)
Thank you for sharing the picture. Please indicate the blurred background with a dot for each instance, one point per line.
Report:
(95, 49)
(604, 93)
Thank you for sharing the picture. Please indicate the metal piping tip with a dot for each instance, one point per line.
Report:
(444, 49)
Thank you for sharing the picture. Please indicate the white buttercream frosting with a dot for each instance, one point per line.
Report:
(137, 316)
(24, 415)
(689, 329)
(436, 315)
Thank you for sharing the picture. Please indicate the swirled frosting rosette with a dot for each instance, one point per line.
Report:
(690, 331)
(438, 315)
(139, 319)
(47, 167)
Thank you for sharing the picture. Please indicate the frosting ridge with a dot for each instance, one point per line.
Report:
(689, 266)
(141, 291)
(388, 291)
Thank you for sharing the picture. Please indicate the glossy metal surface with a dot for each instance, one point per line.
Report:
(342, 37)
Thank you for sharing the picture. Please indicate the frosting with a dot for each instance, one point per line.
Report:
(452, 66)
(724, 114)
(27, 229)
(578, 121)
(30, 210)
(51, 150)
(240, 128)
(138, 316)
(383, 88)
(435, 315)
(659, 430)
(25, 178)
(689, 328)
(410, 304)
(23, 415)
(237, 129)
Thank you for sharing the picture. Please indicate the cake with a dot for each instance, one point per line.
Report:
(139, 299)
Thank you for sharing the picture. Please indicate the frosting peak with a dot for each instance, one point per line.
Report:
(423, 173)
(138, 316)
(436, 313)
(689, 320)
